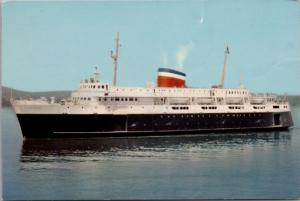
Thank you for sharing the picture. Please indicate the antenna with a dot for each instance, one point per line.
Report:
(96, 74)
(242, 81)
(226, 52)
(114, 57)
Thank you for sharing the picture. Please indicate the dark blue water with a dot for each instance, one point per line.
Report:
(255, 165)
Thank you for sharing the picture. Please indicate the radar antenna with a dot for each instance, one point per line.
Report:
(226, 52)
(114, 57)
(96, 74)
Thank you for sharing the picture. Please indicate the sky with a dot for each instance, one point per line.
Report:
(52, 45)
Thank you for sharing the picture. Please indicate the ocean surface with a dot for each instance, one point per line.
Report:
(264, 165)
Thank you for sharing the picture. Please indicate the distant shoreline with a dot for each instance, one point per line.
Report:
(6, 94)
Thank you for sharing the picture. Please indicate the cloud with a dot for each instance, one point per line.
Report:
(182, 54)
(201, 20)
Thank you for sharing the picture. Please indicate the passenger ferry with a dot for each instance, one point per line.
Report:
(99, 109)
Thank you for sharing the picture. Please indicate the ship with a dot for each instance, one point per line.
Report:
(100, 109)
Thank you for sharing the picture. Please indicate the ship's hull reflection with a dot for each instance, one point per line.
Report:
(84, 147)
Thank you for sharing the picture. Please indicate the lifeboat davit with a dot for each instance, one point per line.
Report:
(167, 77)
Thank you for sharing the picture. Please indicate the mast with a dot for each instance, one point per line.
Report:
(114, 57)
(226, 52)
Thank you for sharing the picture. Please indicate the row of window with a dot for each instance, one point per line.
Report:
(161, 90)
(180, 108)
(209, 115)
(94, 86)
(236, 107)
(210, 108)
(118, 99)
(259, 107)
(236, 92)
(106, 99)
(81, 98)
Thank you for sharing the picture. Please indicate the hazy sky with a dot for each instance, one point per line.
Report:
(53, 45)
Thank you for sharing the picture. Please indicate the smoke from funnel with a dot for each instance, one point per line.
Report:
(182, 54)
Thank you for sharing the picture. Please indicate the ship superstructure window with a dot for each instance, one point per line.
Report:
(259, 107)
(236, 107)
(89, 98)
(276, 106)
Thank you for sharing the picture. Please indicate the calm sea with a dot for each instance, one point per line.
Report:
(248, 165)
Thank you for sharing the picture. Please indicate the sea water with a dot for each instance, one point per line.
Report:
(258, 165)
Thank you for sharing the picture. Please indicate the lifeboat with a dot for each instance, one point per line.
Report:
(234, 100)
(167, 77)
(257, 101)
(204, 101)
(179, 101)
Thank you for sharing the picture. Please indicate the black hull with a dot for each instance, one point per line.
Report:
(95, 125)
